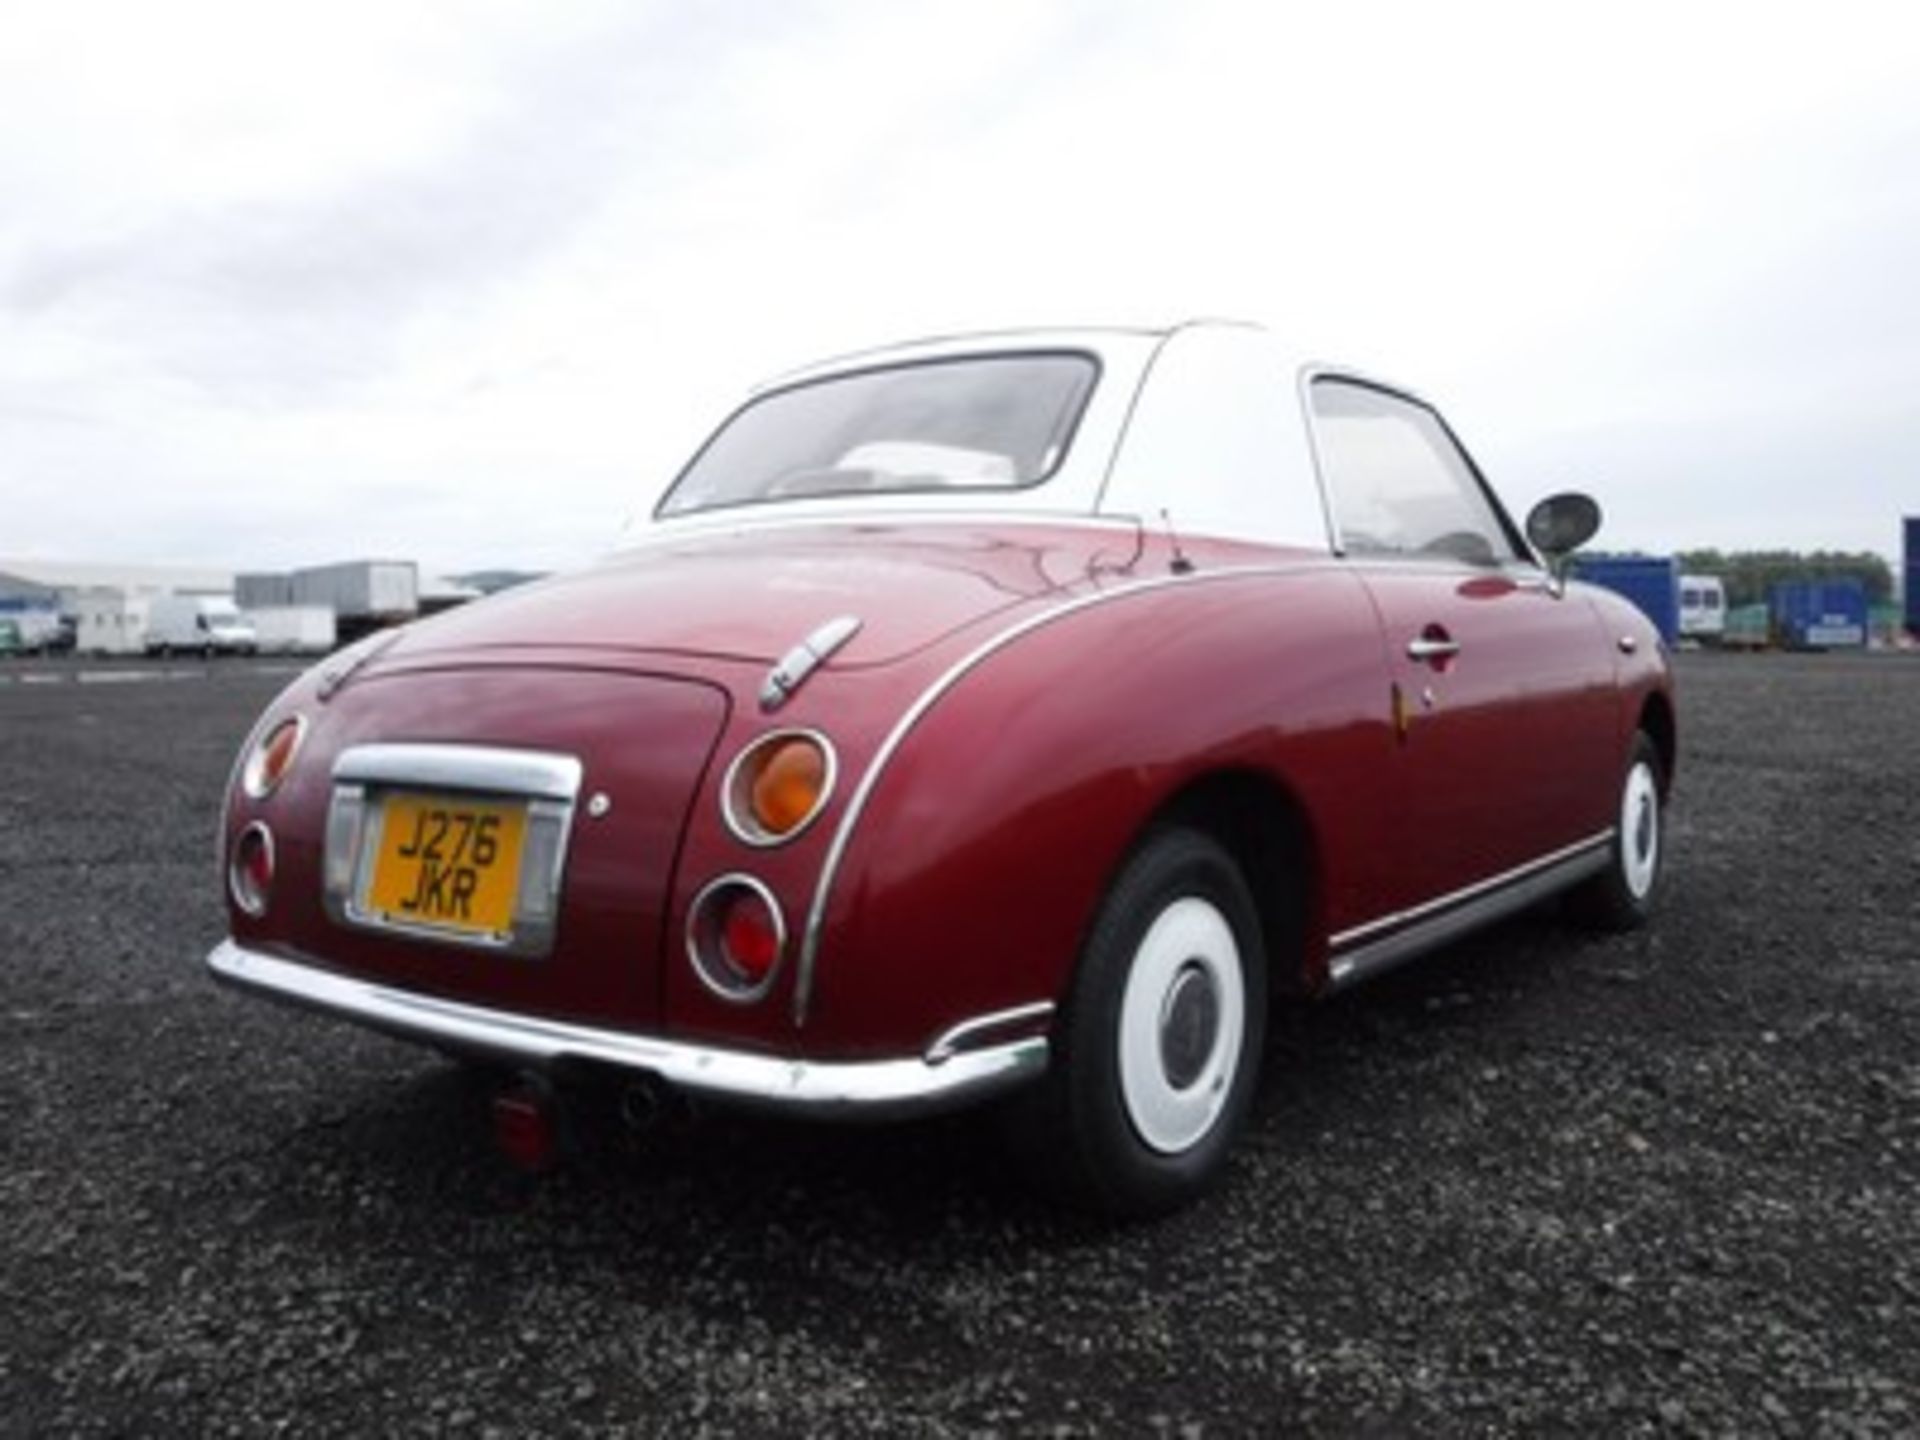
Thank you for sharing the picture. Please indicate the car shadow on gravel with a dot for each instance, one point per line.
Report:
(423, 1147)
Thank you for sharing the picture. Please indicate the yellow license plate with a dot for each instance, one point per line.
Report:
(448, 861)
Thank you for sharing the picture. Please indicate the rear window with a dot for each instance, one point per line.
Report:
(997, 422)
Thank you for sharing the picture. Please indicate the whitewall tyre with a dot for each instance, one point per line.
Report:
(1622, 896)
(1158, 1051)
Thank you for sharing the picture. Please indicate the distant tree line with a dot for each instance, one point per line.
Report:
(1750, 575)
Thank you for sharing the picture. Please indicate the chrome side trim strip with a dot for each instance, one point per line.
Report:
(951, 1042)
(1445, 902)
(462, 767)
(832, 1089)
(1413, 932)
(945, 681)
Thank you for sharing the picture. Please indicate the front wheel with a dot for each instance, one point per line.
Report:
(1621, 897)
(1159, 1048)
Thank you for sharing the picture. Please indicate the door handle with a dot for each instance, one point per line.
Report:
(1427, 648)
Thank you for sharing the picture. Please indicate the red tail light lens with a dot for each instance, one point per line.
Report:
(250, 874)
(736, 937)
(270, 760)
(749, 938)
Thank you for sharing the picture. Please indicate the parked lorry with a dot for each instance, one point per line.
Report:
(293, 629)
(1820, 614)
(35, 630)
(112, 624)
(1650, 582)
(364, 595)
(208, 624)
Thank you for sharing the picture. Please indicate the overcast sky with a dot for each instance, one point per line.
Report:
(465, 282)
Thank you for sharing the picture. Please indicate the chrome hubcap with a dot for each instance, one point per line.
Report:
(1188, 1025)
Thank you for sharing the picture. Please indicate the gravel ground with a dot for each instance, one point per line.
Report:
(1543, 1182)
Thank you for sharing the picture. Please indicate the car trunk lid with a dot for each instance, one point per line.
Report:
(642, 742)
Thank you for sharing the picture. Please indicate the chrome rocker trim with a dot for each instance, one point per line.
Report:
(1372, 949)
(941, 1079)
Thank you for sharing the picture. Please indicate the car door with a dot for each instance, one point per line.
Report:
(1505, 721)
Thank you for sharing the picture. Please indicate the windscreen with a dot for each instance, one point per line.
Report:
(980, 423)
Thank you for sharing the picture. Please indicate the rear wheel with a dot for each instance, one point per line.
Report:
(1157, 1054)
(1622, 896)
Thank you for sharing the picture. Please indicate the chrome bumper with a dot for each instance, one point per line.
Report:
(943, 1079)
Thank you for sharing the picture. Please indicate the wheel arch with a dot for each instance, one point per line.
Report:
(1657, 720)
(1268, 833)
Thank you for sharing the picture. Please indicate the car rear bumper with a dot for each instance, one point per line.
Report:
(943, 1078)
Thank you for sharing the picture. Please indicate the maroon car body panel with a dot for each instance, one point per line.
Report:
(971, 878)
(1023, 696)
(606, 962)
(752, 594)
(1513, 745)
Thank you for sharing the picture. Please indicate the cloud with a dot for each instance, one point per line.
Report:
(469, 281)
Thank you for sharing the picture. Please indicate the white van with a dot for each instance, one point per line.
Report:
(1703, 607)
(208, 624)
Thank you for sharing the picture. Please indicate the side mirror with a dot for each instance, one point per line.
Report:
(1560, 525)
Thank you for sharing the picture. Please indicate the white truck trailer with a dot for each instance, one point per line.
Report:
(293, 629)
(110, 624)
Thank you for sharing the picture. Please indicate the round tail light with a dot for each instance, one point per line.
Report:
(272, 757)
(250, 873)
(736, 937)
(777, 785)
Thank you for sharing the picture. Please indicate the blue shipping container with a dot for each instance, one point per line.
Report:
(1910, 568)
(1820, 614)
(1651, 583)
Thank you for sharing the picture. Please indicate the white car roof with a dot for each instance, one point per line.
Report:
(1205, 421)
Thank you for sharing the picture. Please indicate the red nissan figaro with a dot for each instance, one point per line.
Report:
(1010, 716)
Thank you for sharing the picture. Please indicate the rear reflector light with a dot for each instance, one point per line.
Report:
(736, 937)
(250, 873)
(526, 1127)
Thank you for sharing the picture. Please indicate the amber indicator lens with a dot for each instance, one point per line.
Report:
(735, 937)
(273, 757)
(777, 786)
(250, 875)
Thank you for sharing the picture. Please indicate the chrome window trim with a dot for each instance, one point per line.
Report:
(925, 701)
(861, 367)
(736, 995)
(702, 524)
(849, 1090)
(752, 835)
(548, 783)
(1310, 375)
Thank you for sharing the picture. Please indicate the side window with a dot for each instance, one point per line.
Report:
(1399, 484)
